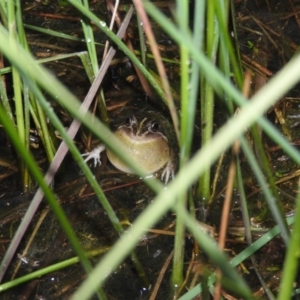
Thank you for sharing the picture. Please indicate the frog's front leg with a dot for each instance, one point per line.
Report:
(95, 154)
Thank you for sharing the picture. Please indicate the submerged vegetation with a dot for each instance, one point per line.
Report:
(71, 70)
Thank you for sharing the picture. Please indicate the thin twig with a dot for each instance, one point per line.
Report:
(112, 21)
(159, 64)
(145, 84)
(161, 276)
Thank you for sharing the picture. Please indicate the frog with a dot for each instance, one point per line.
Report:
(147, 136)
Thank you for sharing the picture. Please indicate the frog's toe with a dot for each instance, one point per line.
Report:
(168, 172)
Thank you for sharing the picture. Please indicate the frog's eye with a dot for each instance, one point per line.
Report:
(153, 126)
(131, 121)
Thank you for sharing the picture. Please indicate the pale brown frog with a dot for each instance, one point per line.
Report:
(149, 138)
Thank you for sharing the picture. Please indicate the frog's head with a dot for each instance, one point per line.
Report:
(141, 130)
